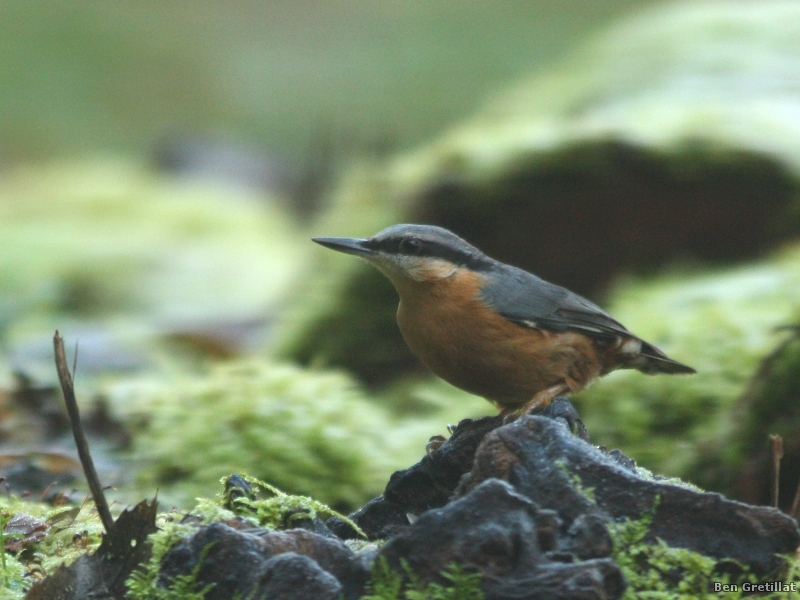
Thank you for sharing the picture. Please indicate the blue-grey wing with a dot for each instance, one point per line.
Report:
(529, 301)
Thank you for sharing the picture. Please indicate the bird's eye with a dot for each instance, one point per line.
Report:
(410, 246)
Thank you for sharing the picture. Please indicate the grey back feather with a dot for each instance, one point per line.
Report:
(529, 301)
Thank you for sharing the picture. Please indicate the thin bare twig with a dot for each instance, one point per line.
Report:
(74, 361)
(80, 438)
(776, 443)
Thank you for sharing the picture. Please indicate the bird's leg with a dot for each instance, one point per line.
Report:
(543, 398)
(535, 404)
(509, 414)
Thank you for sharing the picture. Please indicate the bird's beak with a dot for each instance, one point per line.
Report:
(347, 245)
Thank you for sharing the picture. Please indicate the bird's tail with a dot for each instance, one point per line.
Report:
(652, 361)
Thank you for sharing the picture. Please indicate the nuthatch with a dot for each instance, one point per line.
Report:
(495, 330)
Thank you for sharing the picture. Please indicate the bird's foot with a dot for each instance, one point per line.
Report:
(558, 408)
(535, 405)
(562, 409)
(543, 399)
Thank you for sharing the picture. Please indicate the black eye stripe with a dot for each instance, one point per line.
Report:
(395, 245)
(412, 245)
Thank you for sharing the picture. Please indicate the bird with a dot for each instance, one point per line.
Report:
(495, 330)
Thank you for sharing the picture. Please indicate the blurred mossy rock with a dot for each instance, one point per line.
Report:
(309, 433)
(116, 255)
(314, 433)
(739, 458)
(86, 239)
(672, 137)
(704, 427)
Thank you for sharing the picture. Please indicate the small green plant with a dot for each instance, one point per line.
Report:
(280, 509)
(5, 517)
(658, 571)
(576, 482)
(185, 587)
(276, 512)
(143, 583)
(386, 584)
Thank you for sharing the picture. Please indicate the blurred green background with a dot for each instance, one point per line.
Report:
(164, 164)
(89, 77)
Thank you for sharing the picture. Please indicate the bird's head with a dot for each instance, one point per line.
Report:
(412, 253)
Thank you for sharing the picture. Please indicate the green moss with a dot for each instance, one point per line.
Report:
(275, 512)
(143, 582)
(386, 584)
(15, 579)
(657, 571)
(429, 401)
(183, 587)
(657, 568)
(72, 532)
(310, 433)
(279, 510)
(576, 482)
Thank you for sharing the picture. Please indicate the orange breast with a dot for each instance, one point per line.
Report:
(448, 326)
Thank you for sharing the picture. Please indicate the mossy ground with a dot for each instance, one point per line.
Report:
(390, 585)
(653, 571)
(74, 530)
(314, 433)
(659, 572)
